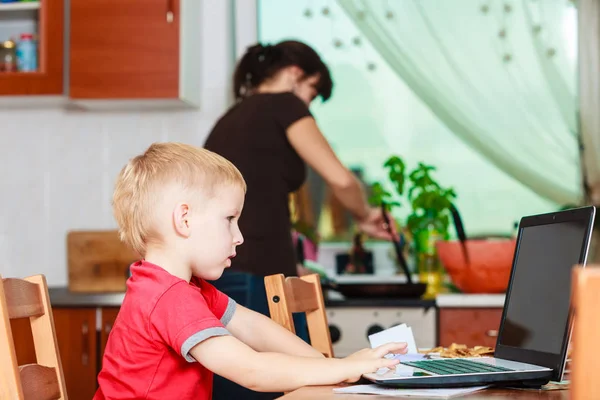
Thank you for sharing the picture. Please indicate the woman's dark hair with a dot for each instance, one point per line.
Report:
(262, 62)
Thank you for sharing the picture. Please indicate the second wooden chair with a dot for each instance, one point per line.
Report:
(300, 295)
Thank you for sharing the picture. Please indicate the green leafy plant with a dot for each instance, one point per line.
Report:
(426, 197)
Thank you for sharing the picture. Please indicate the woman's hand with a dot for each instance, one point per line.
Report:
(375, 225)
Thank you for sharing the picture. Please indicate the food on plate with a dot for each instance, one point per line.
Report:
(460, 351)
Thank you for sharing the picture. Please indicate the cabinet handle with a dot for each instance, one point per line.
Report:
(170, 14)
(107, 328)
(492, 333)
(85, 357)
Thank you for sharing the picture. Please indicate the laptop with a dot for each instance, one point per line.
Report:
(535, 329)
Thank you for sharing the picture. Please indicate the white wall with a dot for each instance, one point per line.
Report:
(57, 167)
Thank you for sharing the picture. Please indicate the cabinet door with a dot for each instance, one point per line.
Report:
(48, 79)
(124, 49)
(108, 320)
(76, 335)
(470, 326)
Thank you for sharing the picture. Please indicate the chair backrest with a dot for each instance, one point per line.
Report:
(585, 364)
(28, 298)
(300, 295)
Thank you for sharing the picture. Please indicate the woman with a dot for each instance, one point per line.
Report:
(270, 135)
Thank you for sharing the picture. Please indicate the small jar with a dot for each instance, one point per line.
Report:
(8, 56)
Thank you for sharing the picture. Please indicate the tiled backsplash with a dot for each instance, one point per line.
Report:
(57, 167)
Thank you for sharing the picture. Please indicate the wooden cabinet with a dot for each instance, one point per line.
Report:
(81, 342)
(135, 50)
(47, 18)
(470, 326)
(76, 335)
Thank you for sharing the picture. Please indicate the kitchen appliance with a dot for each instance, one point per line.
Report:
(374, 287)
(98, 261)
(350, 327)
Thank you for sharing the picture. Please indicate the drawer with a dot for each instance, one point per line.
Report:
(470, 326)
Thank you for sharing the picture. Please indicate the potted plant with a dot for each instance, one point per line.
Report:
(428, 199)
(429, 219)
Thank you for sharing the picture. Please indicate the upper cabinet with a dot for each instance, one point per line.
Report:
(31, 47)
(136, 51)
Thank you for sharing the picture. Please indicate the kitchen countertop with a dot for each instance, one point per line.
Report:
(382, 302)
(459, 300)
(62, 297)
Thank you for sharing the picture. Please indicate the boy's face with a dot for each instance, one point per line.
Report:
(215, 232)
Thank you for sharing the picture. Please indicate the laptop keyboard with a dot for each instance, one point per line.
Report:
(455, 366)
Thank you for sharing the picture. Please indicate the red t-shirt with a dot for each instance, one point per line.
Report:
(162, 317)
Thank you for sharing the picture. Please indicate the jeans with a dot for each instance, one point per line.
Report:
(249, 291)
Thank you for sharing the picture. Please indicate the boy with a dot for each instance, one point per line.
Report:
(178, 207)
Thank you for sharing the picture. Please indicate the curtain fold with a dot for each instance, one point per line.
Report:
(494, 90)
(589, 95)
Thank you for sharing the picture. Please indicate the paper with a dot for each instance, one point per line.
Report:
(428, 393)
(408, 357)
(398, 333)
(562, 385)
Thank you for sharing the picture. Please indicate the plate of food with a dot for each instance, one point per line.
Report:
(456, 350)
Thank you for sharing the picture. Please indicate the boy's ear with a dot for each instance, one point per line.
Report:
(181, 214)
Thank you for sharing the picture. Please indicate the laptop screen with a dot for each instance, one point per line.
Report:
(536, 314)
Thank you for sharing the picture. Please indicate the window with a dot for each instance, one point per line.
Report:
(374, 114)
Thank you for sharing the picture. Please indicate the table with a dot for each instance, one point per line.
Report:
(326, 393)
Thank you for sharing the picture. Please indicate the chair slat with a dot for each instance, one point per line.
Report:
(22, 298)
(39, 382)
(305, 296)
(279, 306)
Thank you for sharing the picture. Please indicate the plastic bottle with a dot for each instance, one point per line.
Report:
(27, 53)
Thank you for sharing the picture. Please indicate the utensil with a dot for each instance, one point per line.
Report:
(460, 231)
(300, 258)
(397, 245)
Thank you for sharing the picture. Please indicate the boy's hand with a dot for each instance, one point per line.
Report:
(370, 360)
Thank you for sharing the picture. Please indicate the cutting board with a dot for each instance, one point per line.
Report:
(98, 261)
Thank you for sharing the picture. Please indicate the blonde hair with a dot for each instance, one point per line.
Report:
(138, 185)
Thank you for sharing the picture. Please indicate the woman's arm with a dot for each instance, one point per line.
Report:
(308, 141)
(263, 334)
(311, 145)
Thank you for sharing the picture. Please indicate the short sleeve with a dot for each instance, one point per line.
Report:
(183, 317)
(288, 108)
(218, 302)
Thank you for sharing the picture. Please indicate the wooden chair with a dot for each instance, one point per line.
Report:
(28, 298)
(300, 295)
(585, 364)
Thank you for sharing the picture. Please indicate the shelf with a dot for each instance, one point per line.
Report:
(35, 74)
(20, 6)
